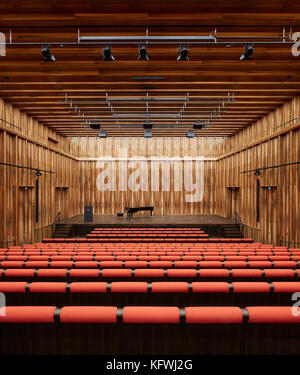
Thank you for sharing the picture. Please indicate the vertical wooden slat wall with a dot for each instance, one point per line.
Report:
(280, 204)
(73, 185)
(166, 202)
(26, 142)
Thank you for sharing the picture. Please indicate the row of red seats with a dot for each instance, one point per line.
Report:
(204, 240)
(143, 255)
(158, 235)
(150, 273)
(150, 264)
(73, 255)
(146, 287)
(138, 230)
(207, 245)
(134, 231)
(151, 314)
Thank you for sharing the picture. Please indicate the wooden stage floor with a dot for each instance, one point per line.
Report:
(147, 220)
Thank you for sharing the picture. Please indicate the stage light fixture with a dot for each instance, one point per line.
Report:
(248, 53)
(147, 125)
(143, 54)
(107, 53)
(183, 53)
(102, 134)
(48, 57)
(198, 125)
(190, 134)
(95, 125)
(148, 134)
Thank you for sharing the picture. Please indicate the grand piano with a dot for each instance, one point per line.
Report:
(131, 210)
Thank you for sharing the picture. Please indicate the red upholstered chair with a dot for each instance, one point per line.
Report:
(150, 314)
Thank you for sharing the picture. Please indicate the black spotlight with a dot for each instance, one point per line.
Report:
(184, 51)
(190, 134)
(143, 54)
(38, 173)
(147, 125)
(107, 54)
(48, 57)
(198, 125)
(248, 53)
(95, 124)
(257, 172)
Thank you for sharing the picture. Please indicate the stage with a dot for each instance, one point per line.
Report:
(211, 224)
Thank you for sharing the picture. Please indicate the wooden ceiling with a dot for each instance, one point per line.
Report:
(213, 72)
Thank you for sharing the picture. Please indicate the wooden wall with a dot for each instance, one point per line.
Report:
(166, 202)
(275, 139)
(27, 143)
(265, 143)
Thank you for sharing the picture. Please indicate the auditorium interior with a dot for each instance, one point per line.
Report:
(149, 177)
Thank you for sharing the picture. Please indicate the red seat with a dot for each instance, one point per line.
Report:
(155, 272)
(260, 264)
(116, 272)
(88, 314)
(44, 272)
(214, 315)
(210, 287)
(61, 264)
(181, 272)
(86, 264)
(150, 314)
(185, 264)
(28, 314)
(47, 287)
(273, 314)
(36, 264)
(251, 287)
(284, 264)
(210, 264)
(170, 287)
(279, 273)
(246, 273)
(129, 287)
(136, 264)
(285, 287)
(214, 273)
(161, 264)
(88, 287)
(11, 272)
(111, 264)
(13, 287)
(84, 273)
(235, 264)
(12, 264)
(81, 258)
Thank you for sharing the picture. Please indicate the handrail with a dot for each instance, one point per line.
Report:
(55, 222)
(239, 222)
